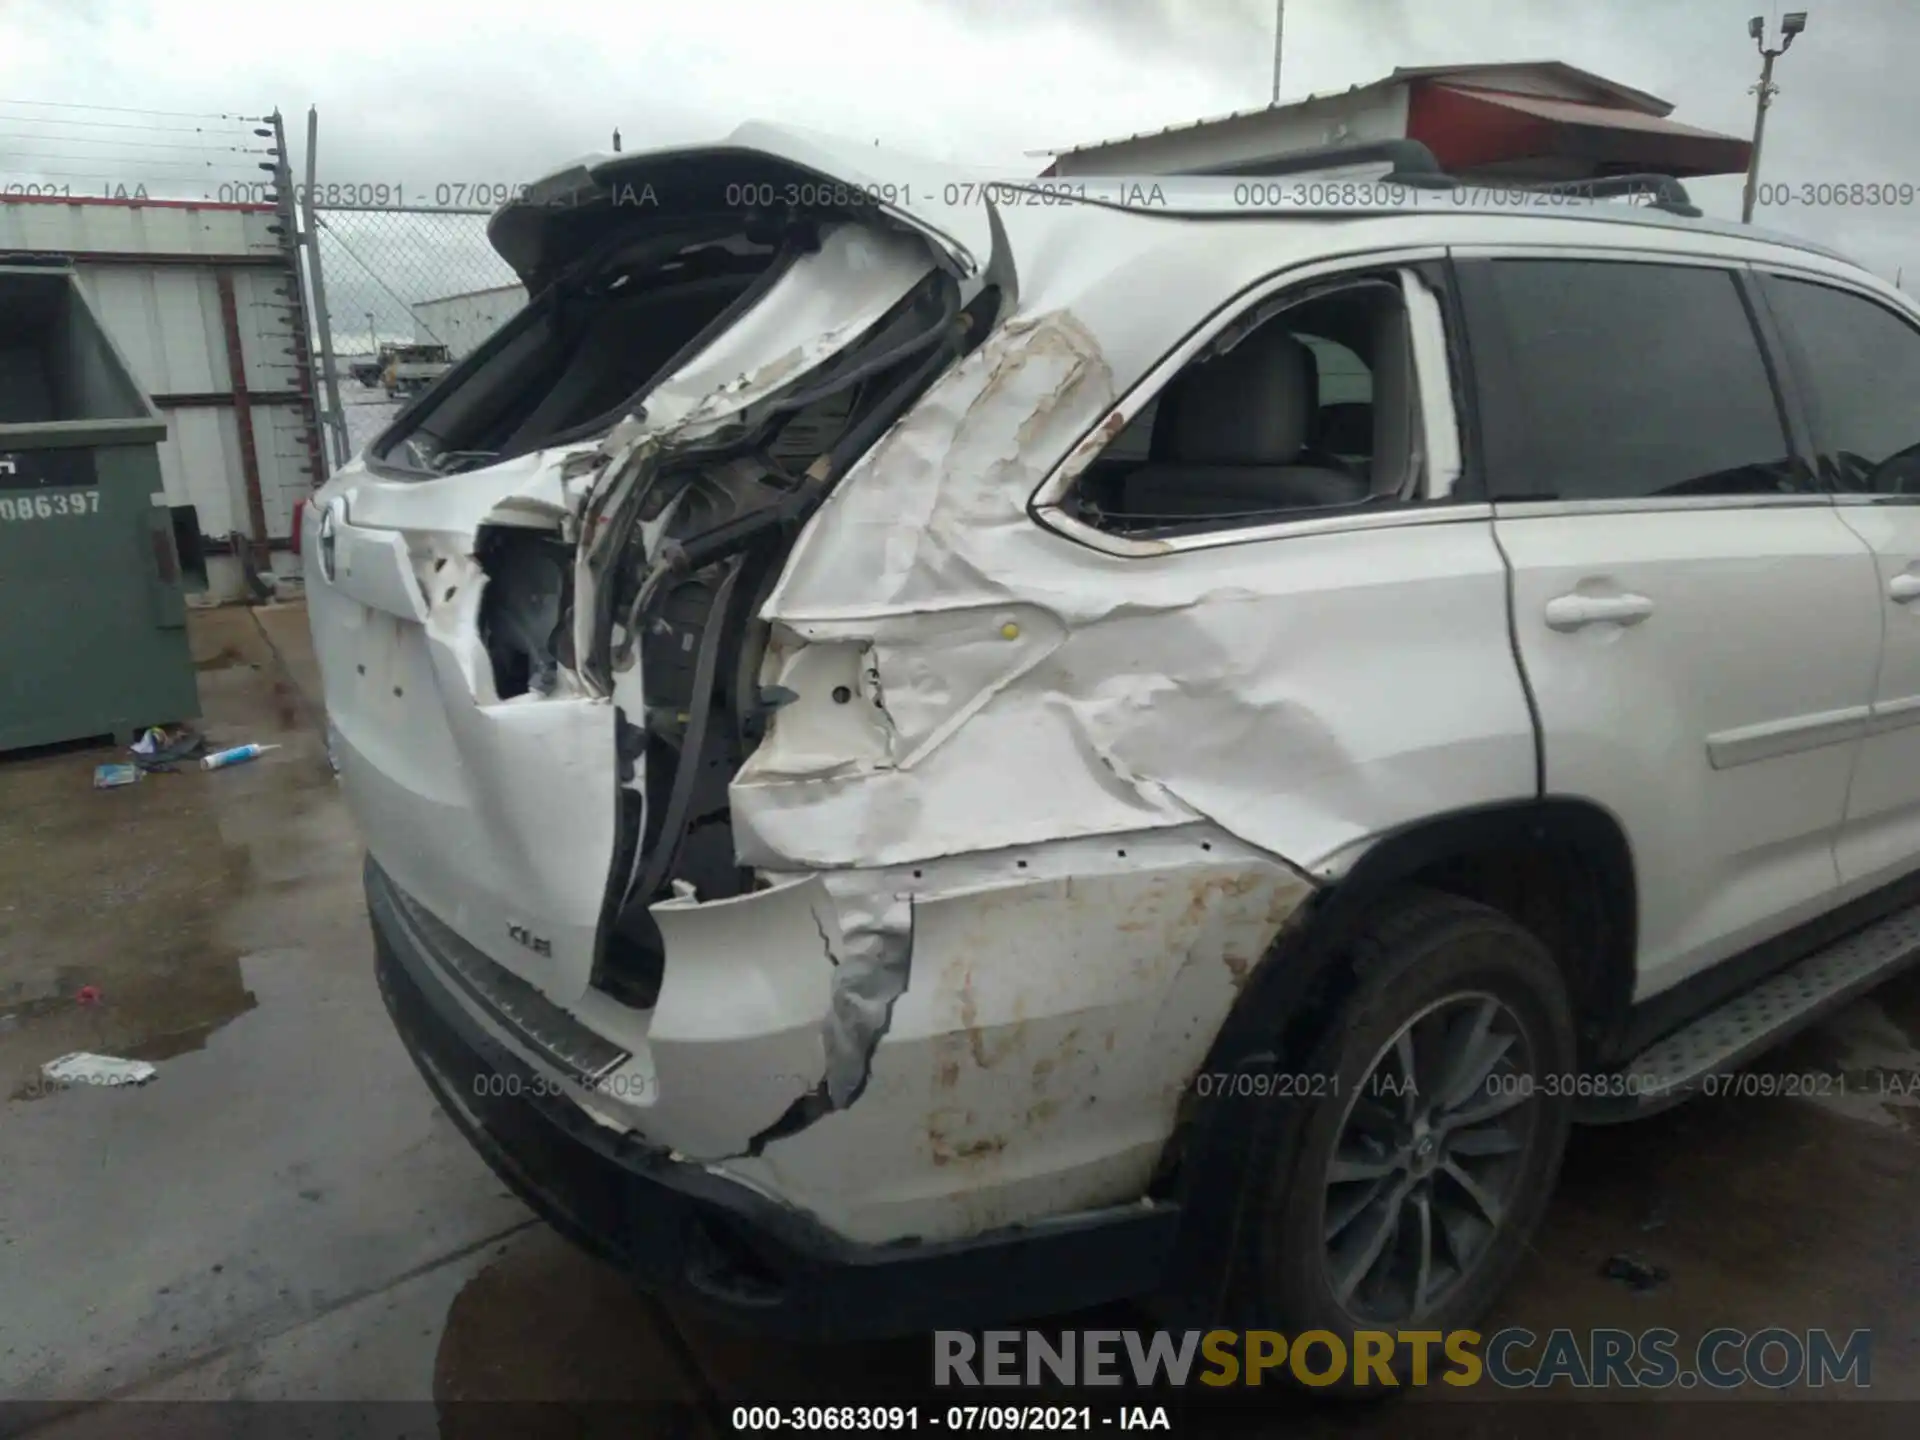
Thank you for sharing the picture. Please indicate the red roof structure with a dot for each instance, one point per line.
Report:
(1532, 121)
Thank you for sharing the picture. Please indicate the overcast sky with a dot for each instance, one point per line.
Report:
(431, 92)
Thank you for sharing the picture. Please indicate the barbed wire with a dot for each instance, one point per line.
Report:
(136, 110)
(42, 141)
(63, 121)
(174, 147)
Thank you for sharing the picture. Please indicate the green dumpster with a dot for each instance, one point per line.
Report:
(93, 634)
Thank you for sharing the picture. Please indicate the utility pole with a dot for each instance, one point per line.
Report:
(1279, 34)
(1791, 24)
(373, 341)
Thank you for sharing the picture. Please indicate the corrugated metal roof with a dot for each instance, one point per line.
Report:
(1639, 100)
(1573, 113)
(1231, 115)
(1635, 99)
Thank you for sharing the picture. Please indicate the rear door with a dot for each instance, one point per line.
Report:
(1856, 355)
(1698, 628)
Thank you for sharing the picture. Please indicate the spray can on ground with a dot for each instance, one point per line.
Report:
(238, 755)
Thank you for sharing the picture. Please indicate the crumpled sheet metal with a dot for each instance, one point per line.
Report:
(1050, 1021)
(874, 960)
(936, 513)
(771, 997)
(902, 557)
(1064, 791)
(1037, 687)
(1015, 691)
(824, 300)
(737, 1035)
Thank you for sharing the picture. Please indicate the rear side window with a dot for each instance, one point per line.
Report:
(1615, 380)
(1306, 405)
(1859, 365)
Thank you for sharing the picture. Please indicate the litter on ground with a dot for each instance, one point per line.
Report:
(110, 777)
(160, 748)
(238, 755)
(82, 1068)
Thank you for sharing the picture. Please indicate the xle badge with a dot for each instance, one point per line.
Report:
(539, 944)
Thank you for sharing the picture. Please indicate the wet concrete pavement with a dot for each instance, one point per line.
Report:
(284, 1214)
(286, 1164)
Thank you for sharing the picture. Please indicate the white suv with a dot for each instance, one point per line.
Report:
(925, 759)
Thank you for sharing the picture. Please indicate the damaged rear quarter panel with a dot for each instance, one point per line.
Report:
(1038, 1056)
(1304, 692)
(1049, 818)
(1289, 696)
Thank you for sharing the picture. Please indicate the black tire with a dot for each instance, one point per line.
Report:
(1449, 962)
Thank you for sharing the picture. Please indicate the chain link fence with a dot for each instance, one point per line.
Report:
(396, 278)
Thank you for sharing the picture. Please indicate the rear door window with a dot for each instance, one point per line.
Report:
(1859, 366)
(1621, 380)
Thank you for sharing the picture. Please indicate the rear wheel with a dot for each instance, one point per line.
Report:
(1404, 1194)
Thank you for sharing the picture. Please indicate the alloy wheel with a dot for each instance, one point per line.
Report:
(1429, 1156)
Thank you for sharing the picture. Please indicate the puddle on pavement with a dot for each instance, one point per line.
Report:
(137, 896)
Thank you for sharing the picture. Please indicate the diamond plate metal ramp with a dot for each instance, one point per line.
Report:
(1675, 1068)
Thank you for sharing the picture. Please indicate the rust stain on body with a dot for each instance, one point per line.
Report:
(1205, 890)
(946, 1149)
(985, 1056)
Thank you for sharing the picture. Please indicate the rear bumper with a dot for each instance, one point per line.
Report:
(685, 1232)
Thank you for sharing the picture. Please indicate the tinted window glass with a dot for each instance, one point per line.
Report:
(1344, 376)
(1861, 365)
(1632, 380)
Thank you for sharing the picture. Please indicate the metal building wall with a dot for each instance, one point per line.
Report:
(461, 322)
(203, 301)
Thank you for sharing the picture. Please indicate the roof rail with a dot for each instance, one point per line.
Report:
(1412, 162)
(1669, 194)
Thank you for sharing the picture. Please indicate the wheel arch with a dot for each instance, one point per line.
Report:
(1563, 863)
(1560, 866)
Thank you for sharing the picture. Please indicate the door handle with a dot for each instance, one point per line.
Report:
(1903, 588)
(1574, 612)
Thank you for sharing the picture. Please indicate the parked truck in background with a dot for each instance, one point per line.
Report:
(412, 368)
(372, 370)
